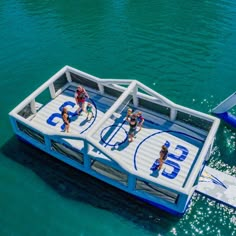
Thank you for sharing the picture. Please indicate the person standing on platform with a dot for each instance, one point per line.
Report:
(157, 165)
(65, 118)
(89, 111)
(163, 155)
(140, 120)
(132, 127)
(80, 98)
(129, 114)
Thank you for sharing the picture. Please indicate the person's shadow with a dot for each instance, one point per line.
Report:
(120, 146)
(155, 173)
(154, 168)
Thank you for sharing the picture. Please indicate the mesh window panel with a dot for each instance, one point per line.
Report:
(26, 111)
(194, 121)
(155, 107)
(60, 82)
(66, 151)
(83, 81)
(112, 92)
(110, 172)
(156, 191)
(33, 134)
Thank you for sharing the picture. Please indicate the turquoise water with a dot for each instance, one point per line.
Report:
(183, 49)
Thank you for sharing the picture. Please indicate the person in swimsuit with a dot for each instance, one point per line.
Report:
(89, 111)
(129, 114)
(140, 120)
(132, 127)
(163, 156)
(65, 118)
(80, 98)
(157, 165)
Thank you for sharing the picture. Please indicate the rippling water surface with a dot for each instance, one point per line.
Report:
(183, 49)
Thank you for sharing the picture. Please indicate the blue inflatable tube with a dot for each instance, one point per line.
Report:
(228, 118)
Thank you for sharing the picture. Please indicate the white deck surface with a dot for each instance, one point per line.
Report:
(142, 152)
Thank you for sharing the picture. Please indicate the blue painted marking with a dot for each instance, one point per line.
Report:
(155, 165)
(68, 103)
(117, 143)
(52, 117)
(174, 173)
(182, 156)
(70, 114)
(217, 181)
(171, 163)
(159, 132)
(135, 153)
(58, 115)
(213, 179)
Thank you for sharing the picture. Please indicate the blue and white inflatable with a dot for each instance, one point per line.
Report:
(222, 110)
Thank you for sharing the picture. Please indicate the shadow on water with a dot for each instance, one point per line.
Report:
(76, 185)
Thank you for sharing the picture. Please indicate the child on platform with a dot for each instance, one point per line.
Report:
(89, 111)
(140, 120)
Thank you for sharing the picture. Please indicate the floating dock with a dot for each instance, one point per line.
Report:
(100, 146)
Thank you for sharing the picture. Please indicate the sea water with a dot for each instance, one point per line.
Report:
(184, 50)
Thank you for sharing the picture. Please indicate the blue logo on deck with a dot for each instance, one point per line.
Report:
(174, 165)
(114, 128)
(173, 158)
(51, 119)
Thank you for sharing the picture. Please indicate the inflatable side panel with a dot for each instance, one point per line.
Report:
(228, 118)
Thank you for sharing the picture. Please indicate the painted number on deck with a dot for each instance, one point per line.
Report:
(183, 152)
